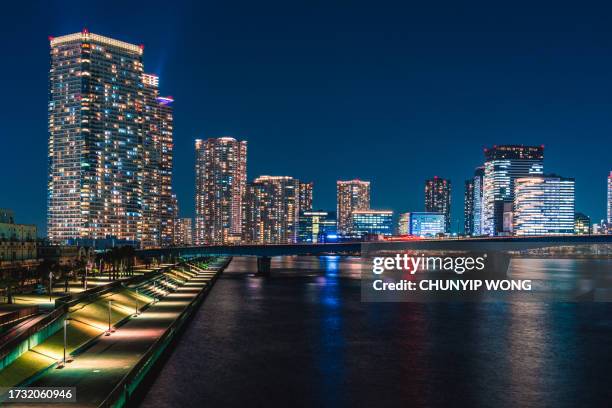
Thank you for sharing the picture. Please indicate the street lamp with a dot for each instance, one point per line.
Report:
(110, 329)
(137, 312)
(64, 360)
(50, 285)
(86, 268)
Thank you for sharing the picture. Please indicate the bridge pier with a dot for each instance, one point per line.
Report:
(499, 262)
(263, 265)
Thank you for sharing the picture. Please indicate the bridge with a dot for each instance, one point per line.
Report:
(498, 245)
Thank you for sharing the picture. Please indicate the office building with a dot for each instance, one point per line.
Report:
(582, 224)
(426, 224)
(438, 198)
(271, 212)
(503, 165)
(351, 195)
(220, 189)
(544, 205)
(315, 226)
(372, 222)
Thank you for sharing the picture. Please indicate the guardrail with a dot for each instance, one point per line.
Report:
(12, 339)
(126, 387)
(18, 314)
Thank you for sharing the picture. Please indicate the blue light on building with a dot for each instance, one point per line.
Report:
(372, 222)
(426, 224)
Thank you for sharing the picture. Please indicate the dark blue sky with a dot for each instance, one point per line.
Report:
(392, 92)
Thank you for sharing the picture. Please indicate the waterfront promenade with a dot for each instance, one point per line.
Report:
(99, 370)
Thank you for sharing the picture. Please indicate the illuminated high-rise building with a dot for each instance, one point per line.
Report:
(438, 198)
(306, 196)
(503, 165)
(150, 227)
(96, 139)
(610, 199)
(159, 206)
(544, 205)
(468, 207)
(220, 189)
(183, 232)
(168, 202)
(271, 212)
(351, 195)
(472, 210)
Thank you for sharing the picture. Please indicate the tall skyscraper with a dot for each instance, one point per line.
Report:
(438, 198)
(168, 202)
(306, 196)
(272, 210)
(468, 207)
(159, 206)
(503, 165)
(99, 141)
(351, 195)
(477, 202)
(610, 199)
(220, 189)
(544, 205)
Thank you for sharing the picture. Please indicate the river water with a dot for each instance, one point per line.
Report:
(304, 338)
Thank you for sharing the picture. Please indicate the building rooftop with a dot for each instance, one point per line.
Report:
(86, 36)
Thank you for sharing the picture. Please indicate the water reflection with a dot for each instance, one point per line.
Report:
(304, 338)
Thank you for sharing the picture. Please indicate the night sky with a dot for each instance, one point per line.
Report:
(392, 92)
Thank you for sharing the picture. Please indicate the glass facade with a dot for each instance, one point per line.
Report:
(315, 226)
(477, 215)
(609, 199)
(468, 207)
(427, 224)
(372, 222)
(544, 206)
(503, 165)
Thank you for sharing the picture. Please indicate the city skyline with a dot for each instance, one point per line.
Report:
(394, 185)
